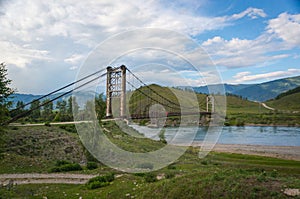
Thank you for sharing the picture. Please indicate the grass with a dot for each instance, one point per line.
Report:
(130, 143)
(36, 149)
(222, 176)
(218, 175)
(287, 103)
(239, 111)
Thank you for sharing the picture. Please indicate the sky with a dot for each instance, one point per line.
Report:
(45, 44)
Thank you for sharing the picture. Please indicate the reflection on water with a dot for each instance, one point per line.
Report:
(255, 135)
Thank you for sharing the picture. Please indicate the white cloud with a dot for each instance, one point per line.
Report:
(253, 13)
(286, 27)
(20, 55)
(243, 77)
(267, 47)
(242, 52)
(64, 31)
(89, 22)
(75, 60)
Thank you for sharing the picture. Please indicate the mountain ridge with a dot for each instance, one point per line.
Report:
(256, 92)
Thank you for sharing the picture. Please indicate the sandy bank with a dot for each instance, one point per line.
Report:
(284, 152)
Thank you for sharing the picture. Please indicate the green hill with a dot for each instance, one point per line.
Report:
(269, 90)
(236, 104)
(139, 103)
(174, 99)
(287, 101)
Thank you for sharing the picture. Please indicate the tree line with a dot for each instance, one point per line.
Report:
(62, 112)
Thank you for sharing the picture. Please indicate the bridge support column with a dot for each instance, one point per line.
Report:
(123, 93)
(210, 100)
(108, 93)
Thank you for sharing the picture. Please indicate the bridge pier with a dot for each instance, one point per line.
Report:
(116, 88)
(108, 93)
(210, 100)
(123, 93)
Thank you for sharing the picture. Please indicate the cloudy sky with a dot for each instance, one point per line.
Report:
(45, 43)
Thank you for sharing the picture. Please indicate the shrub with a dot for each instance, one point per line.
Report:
(62, 165)
(204, 162)
(171, 166)
(15, 128)
(140, 174)
(240, 122)
(96, 184)
(105, 178)
(274, 173)
(69, 127)
(143, 122)
(169, 175)
(162, 137)
(100, 181)
(61, 162)
(71, 167)
(150, 177)
(91, 165)
(47, 124)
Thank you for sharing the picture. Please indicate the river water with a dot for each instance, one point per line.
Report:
(252, 135)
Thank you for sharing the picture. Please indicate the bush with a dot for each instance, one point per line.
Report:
(171, 166)
(105, 178)
(150, 177)
(140, 174)
(62, 165)
(162, 137)
(91, 165)
(240, 122)
(169, 175)
(47, 124)
(100, 181)
(15, 128)
(69, 127)
(96, 184)
(71, 167)
(143, 122)
(61, 162)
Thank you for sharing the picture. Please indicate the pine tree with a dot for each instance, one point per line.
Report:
(5, 92)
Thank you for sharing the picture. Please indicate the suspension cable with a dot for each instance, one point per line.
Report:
(43, 104)
(55, 91)
(157, 92)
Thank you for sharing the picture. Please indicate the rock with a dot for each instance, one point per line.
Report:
(292, 192)
(69, 149)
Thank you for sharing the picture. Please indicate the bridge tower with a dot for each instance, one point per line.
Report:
(210, 100)
(116, 88)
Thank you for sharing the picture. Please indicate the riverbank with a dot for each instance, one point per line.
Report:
(282, 152)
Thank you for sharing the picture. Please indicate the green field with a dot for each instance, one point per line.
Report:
(239, 111)
(218, 175)
(289, 103)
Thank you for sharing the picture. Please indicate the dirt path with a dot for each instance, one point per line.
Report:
(55, 123)
(267, 107)
(37, 178)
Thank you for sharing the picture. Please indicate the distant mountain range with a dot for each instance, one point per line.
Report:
(26, 98)
(255, 92)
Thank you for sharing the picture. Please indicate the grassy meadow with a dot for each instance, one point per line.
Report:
(218, 175)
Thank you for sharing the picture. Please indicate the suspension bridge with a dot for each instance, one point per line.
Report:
(124, 88)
